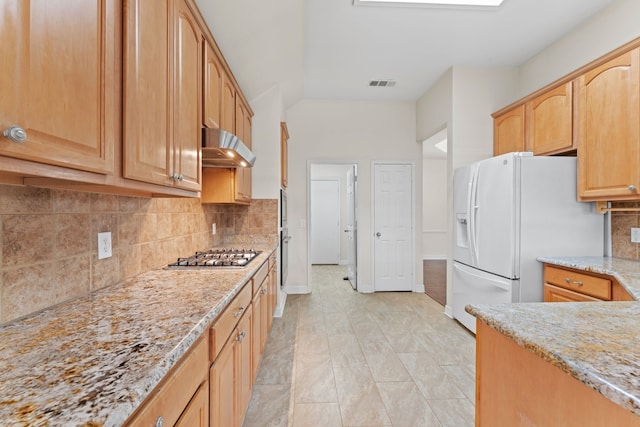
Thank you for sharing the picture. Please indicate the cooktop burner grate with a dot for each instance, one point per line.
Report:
(217, 258)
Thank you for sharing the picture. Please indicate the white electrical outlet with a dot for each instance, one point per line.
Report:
(104, 245)
(213, 228)
(635, 235)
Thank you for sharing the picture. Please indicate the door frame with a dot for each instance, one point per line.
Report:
(308, 221)
(414, 287)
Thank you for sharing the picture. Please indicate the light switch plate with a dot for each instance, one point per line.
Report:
(635, 235)
(104, 245)
(213, 228)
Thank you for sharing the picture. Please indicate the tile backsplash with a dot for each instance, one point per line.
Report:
(48, 240)
(621, 224)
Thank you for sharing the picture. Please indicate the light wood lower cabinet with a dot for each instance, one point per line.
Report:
(570, 285)
(238, 338)
(230, 377)
(182, 395)
(515, 387)
(197, 412)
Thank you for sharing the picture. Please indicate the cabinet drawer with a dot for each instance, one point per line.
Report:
(222, 328)
(259, 277)
(582, 283)
(172, 396)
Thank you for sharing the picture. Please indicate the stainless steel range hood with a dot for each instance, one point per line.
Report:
(222, 149)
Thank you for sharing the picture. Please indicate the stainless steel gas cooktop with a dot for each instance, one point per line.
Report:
(217, 258)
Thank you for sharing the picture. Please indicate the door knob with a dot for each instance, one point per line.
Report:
(378, 234)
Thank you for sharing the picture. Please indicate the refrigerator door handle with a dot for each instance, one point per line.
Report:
(473, 207)
(470, 272)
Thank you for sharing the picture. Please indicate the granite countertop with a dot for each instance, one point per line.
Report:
(93, 360)
(597, 343)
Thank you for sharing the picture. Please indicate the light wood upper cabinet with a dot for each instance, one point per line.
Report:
(187, 125)
(508, 131)
(59, 82)
(162, 119)
(147, 97)
(284, 155)
(228, 105)
(549, 121)
(212, 88)
(609, 130)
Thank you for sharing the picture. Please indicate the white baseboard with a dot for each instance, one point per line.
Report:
(365, 288)
(297, 289)
(419, 288)
(280, 306)
(434, 257)
(343, 262)
(448, 311)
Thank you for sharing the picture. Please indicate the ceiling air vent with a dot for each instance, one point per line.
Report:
(382, 83)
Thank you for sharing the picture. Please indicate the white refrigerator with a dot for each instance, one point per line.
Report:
(509, 210)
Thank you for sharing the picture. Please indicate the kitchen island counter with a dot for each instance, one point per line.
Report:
(93, 360)
(597, 343)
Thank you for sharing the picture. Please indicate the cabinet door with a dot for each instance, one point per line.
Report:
(212, 88)
(59, 82)
(147, 112)
(197, 412)
(245, 378)
(228, 105)
(224, 386)
(609, 130)
(556, 294)
(187, 127)
(273, 295)
(550, 121)
(508, 132)
(256, 328)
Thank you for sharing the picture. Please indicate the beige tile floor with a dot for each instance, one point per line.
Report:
(341, 358)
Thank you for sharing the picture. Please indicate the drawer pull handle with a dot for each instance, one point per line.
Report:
(159, 422)
(241, 336)
(239, 312)
(632, 187)
(573, 283)
(264, 291)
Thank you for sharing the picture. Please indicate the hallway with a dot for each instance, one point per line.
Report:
(341, 358)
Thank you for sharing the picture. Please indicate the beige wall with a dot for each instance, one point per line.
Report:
(49, 240)
(355, 132)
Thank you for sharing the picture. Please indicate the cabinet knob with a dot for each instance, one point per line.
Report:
(264, 291)
(180, 177)
(15, 133)
(159, 422)
(631, 187)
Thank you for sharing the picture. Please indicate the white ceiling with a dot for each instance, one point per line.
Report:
(330, 49)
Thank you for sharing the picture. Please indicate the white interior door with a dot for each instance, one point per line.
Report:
(393, 227)
(351, 229)
(325, 222)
